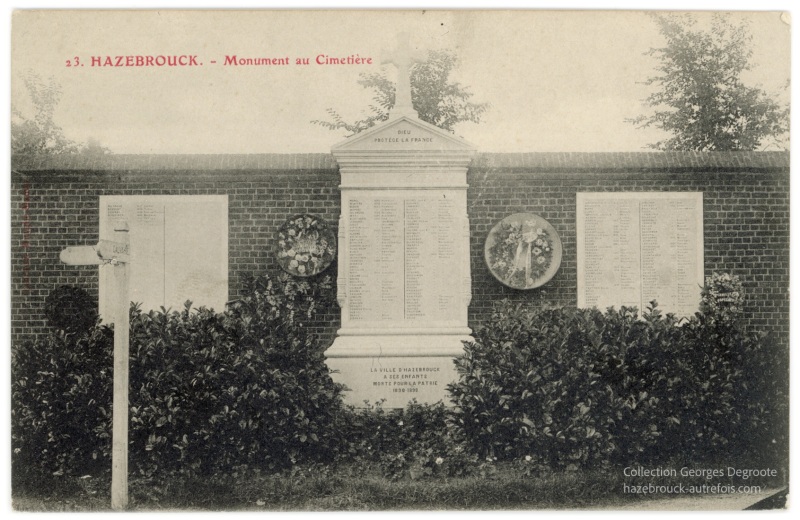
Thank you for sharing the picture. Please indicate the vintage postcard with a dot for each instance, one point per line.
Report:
(322, 260)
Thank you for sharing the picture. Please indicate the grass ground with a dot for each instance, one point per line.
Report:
(350, 489)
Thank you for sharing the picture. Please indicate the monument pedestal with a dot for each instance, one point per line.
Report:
(404, 265)
(396, 368)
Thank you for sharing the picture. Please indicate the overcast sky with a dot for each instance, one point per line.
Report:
(556, 81)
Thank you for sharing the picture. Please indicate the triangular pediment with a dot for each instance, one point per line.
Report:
(403, 134)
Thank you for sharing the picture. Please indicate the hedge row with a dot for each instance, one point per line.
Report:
(208, 391)
(579, 388)
(555, 388)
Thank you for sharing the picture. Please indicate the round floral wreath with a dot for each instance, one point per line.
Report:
(521, 254)
(306, 245)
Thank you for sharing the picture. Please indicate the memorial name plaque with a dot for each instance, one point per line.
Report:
(634, 248)
(179, 248)
(404, 244)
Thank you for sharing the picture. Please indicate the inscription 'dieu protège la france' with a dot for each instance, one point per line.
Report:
(402, 136)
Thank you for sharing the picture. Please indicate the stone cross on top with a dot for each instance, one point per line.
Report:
(403, 58)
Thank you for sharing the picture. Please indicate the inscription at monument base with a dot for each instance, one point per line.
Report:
(396, 369)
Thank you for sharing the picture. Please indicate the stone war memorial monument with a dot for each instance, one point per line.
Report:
(404, 265)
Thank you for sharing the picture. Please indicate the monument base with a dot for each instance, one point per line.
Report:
(395, 368)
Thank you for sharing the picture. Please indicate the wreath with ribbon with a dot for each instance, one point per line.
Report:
(521, 251)
(306, 245)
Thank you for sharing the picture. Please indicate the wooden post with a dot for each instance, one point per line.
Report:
(119, 438)
(115, 254)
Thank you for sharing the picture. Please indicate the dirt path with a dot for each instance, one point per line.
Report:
(696, 503)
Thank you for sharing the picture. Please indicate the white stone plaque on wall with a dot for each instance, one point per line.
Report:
(178, 248)
(634, 248)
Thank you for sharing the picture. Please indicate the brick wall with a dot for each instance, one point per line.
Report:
(746, 211)
(53, 209)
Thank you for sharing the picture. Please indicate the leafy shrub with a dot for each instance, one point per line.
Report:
(761, 404)
(541, 384)
(208, 391)
(416, 442)
(245, 388)
(578, 388)
(61, 404)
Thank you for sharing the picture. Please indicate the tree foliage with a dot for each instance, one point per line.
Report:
(38, 134)
(436, 99)
(701, 99)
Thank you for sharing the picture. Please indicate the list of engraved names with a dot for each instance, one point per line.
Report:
(402, 253)
(637, 247)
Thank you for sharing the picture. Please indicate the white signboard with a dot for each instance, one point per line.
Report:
(637, 247)
(179, 248)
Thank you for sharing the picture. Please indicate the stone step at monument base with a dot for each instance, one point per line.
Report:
(396, 368)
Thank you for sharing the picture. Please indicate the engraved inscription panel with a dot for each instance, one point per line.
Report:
(406, 136)
(404, 379)
(637, 247)
(178, 248)
(360, 249)
(397, 380)
(402, 263)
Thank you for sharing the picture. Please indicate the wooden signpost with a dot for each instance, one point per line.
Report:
(116, 255)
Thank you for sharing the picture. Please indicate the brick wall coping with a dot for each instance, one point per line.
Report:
(537, 161)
